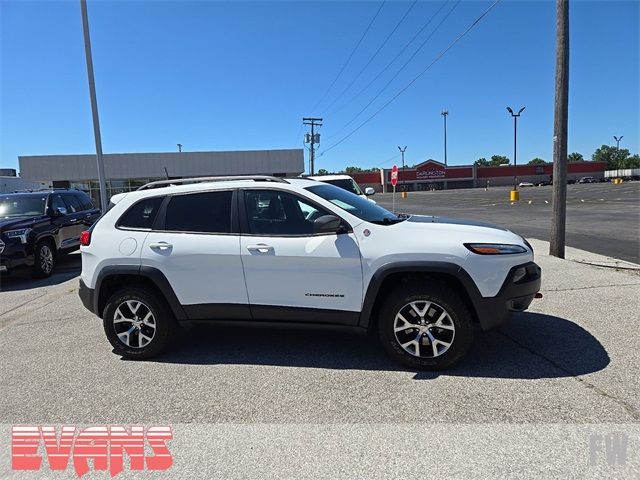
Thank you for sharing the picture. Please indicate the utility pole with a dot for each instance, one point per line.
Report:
(444, 113)
(515, 142)
(179, 147)
(312, 139)
(560, 122)
(617, 139)
(94, 107)
(404, 179)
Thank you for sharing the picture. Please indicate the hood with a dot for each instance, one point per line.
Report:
(14, 223)
(453, 221)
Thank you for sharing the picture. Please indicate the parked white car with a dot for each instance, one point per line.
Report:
(298, 251)
(525, 184)
(347, 183)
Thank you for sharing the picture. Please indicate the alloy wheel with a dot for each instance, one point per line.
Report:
(134, 324)
(424, 329)
(46, 259)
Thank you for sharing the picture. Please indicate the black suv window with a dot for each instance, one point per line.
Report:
(56, 202)
(73, 203)
(271, 212)
(141, 214)
(85, 201)
(208, 212)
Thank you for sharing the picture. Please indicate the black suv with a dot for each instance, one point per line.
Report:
(35, 226)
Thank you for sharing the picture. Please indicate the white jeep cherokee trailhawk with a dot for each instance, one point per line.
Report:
(266, 249)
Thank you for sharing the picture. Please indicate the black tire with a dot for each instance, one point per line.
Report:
(443, 298)
(44, 259)
(165, 324)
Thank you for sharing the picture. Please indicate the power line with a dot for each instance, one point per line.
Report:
(384, 42)
(381, 91)
(364, 34)
(417, 34)
(440, 55)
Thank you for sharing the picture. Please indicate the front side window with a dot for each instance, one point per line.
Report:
(22, 205)
(58, 204)
(208, 212)
(272, 212)
(142, 214)
(73, 204)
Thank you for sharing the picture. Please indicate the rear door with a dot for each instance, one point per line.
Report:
(76, 214)
(196, 245)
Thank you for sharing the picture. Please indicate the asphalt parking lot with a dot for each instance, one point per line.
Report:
(601, 217)
(324, 404)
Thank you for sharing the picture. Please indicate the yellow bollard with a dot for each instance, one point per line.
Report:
(514, 195)
(404, 195)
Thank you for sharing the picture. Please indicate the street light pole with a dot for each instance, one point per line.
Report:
(403, 172)
(515, 141)
(94, 106)
(444, 113)
(617, 139)
(179, 147)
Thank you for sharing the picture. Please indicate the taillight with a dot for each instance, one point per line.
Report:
(85, 238)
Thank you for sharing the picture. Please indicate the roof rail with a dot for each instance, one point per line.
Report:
(31, 190)
(182, 181)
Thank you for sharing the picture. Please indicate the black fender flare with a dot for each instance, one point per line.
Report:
(386, 270)
(149, 273)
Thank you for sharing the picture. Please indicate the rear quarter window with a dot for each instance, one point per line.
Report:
(142, 214)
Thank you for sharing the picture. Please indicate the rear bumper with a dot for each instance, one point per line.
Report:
(512, 297)
(86, 295)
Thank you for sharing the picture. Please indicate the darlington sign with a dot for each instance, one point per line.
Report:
(420, 174)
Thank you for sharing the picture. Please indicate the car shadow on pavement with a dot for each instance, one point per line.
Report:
(531, 346)
(68, 266)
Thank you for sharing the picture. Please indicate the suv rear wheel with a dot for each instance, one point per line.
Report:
(44, 259)
(137, 323)
(425, 326)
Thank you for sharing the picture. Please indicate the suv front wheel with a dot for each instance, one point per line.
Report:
(425, 326)
(44, 259)
(137, 323)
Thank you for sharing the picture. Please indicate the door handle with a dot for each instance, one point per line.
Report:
(160, 246)
(261, 248)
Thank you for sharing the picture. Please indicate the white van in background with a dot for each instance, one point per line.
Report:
(346, 183)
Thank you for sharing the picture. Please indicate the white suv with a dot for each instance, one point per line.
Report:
(283, 251)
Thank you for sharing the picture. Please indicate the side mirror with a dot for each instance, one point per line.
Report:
(369, 191)
(327, 224)
(60, 211)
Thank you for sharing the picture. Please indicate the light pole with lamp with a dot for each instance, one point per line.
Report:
(403, 172)
(515, 141)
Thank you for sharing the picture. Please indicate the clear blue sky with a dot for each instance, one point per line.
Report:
(240, 75)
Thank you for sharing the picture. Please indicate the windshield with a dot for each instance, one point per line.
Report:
(22, 205)
(347, 184)
(355, 205)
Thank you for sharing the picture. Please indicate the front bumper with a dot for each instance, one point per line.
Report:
(15, 255)
(512, 297)
(86, 295)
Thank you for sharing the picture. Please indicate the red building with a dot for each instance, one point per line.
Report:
(434, 175)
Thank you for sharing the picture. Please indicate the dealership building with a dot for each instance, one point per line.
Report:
(431, 175)
(128, 171)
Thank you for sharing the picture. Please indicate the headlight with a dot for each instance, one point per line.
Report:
(22, 234)
(494, 248)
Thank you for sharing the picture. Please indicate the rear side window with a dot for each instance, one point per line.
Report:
(141, 214)
(73, 203)
(86, 202)
(208, 212)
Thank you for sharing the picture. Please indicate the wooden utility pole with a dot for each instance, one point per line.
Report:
(560, 121)
(312, 139)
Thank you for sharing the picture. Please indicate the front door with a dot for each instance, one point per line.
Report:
(291, 273)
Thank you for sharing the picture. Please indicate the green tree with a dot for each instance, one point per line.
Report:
(322, 171)
(497, 160)
(575, 157)
(481, 162)
(611, 155)
(537, 161)
(631, 162)
(353, 170)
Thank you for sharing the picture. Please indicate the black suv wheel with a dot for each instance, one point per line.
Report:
(138, 324)
(44, 259)
(425, 326)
